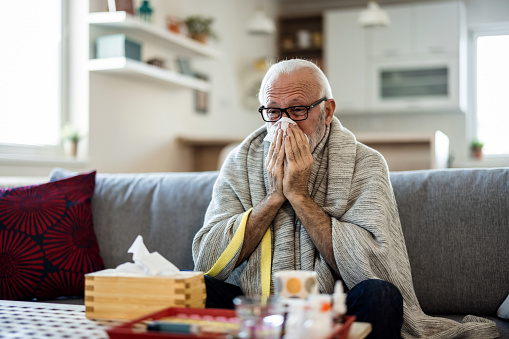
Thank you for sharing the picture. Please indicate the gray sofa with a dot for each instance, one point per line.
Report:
(455, 222)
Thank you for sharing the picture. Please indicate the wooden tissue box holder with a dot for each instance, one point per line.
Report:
(113, 297)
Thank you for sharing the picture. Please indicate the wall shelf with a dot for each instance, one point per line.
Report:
(125, 66)
(288, 42)
(144, 31)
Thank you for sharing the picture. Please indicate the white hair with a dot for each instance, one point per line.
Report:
(292, 66)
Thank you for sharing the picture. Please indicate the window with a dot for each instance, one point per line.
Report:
(31, 82)
(491, 108)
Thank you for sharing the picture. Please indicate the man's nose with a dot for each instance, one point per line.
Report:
(287, 114)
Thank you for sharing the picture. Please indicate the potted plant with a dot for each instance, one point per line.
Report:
(71, 136)
(200, 28)
(476, 149)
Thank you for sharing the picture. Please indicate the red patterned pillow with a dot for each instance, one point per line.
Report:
(47, 239)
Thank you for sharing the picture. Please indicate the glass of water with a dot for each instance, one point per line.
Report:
(259, 317)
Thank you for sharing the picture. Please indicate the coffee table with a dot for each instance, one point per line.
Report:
(19, 319)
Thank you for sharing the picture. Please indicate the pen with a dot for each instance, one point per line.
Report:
(173, 327)
(187, 328)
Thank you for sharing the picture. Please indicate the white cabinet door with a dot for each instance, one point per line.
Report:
(345, 59)
(436, 28)
(396, 39)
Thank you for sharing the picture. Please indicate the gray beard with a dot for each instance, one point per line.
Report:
(319, 133)
(317, 136)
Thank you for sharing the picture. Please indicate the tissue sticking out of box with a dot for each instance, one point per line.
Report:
(146, 263)
(284, 122)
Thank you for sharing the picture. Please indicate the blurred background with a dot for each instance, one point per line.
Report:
(171, 85)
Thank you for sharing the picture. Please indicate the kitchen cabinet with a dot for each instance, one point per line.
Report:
(394, 40)
(425, 29)
(346, 60)
(417, 64)
(438, 28)
(147, 33)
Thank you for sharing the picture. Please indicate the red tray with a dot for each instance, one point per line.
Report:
(341, 331)
(128, 330)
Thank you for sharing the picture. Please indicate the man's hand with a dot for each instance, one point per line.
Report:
(298, 166)
(295, 187)
(275, 167)
(265, 211)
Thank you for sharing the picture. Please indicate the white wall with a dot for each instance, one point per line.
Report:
(486, 11)
(134, 123)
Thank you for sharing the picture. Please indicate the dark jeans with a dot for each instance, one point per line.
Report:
(379, 303)
(220, 294)
(373, 301)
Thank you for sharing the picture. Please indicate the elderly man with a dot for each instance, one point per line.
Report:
(311, 198)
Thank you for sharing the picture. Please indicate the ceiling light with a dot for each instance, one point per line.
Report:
(374, 16)
(261, 24)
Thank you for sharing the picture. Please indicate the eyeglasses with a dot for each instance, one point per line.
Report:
(296, 113)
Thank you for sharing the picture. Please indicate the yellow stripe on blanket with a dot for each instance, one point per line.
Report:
(232, 247)
(266, 265)
(235, 244)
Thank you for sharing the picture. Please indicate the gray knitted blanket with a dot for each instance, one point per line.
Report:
(351, 183)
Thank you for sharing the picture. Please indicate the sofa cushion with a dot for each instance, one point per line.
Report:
(456, 226)
(167, 209)
(47, 240)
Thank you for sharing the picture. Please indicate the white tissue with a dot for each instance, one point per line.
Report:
(146, 263)
(284, 122)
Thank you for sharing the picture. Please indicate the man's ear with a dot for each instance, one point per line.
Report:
(330, 108)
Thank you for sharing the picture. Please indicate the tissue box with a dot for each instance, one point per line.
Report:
(117, 45)
(119, 297)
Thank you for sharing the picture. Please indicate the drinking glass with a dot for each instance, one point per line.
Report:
(259, 317)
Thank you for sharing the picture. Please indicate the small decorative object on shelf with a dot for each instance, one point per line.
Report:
(317, 39)
(121, 5)
(71, 136)
(304, 38)
(184, 66)
(157, 62)
(117, 45)
(145, 11)
(476, 149)
(200, 28)
(287, 43)
(174, 24)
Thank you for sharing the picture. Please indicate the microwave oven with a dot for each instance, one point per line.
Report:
(425, 85)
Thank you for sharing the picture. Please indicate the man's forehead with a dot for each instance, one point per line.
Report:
(292, 82)
(296, 100)
(295, 93)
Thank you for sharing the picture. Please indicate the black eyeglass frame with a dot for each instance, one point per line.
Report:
(284, 110)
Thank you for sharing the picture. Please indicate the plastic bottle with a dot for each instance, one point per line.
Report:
(319, 321)
(296, 315)
(338, 303)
